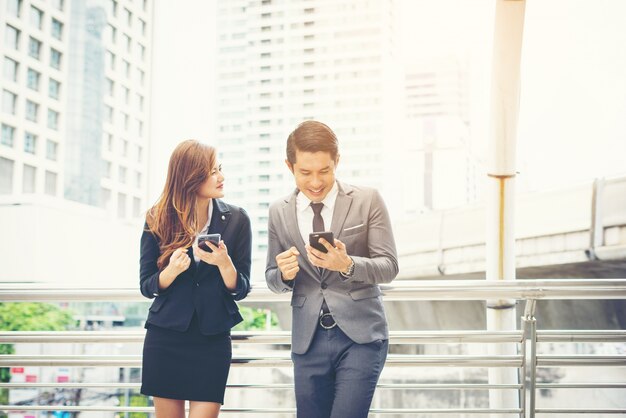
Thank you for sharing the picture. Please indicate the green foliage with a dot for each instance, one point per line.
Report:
(255, 319)
(29, 317)
(135, 400)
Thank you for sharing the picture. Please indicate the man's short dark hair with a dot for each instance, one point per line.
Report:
(312, 136)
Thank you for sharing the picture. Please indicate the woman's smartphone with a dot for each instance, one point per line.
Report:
(314, 239)
(213, 238)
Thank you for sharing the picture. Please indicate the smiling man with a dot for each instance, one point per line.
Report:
(339, 333)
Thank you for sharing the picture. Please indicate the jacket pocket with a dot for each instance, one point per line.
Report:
(353, 230)
(365, 293)
(157, 304)
(297, 301)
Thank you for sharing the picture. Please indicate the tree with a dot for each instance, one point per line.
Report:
(28, 316)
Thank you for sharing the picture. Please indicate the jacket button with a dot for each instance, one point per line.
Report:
(324, 285)
(197, 284)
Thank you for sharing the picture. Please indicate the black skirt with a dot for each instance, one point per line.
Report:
(185, 365)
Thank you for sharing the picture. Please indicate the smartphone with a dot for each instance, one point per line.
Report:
(314, 240)
(214, 238)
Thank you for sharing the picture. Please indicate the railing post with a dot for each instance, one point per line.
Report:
(529, 325)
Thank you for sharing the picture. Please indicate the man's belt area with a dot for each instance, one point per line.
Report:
(326, 319)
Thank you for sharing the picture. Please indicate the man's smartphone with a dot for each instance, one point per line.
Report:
(213, 238)
(314, 238)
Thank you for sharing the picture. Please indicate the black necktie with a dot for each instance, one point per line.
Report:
(318, 226)
(318, 221)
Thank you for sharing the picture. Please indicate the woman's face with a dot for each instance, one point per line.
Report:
(213, 187)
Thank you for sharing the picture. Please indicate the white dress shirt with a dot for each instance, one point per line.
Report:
(205, 229)
(304, 212)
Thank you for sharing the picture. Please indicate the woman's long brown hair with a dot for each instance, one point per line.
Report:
(173, 218)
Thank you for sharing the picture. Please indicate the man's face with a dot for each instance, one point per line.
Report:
(314, 173)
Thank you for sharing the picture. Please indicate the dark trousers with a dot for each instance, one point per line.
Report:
(336, 377)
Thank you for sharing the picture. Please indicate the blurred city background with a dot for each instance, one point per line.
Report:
(97, 93)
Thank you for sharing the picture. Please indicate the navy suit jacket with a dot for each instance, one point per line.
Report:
(200, 288)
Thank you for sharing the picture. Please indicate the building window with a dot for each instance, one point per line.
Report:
(142, 52)
(142, 25)
(136, 207)
(140, 102)
(51, 183)
(139, 153)
(55, 58)
(109, 60)
(53, 119)
(10, 69)
(110, 87)
(140, 76)
(124, 148)
(57, 29)
(106, 169)
(128, 43)
(110, 33)
(112, 9)
(32, 110)
(127, 68)
(9, 100)
(36, 17)
(109, 142)
(121, 205)
(29, 176)
(30, 143)
(6, 176)
(139, 128)
(57, 4)
(126, 121)
(52, 149)
(54, 89)
(8, 135)
(33, 78)
(34, 48)
(14, 7)
(129, 18)
(138, 179)
(126, 94)
(108, 113)
(11, 37)
(121, 174)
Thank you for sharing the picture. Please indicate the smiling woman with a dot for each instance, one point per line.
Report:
(187, 349)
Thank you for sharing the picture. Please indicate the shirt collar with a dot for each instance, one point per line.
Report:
(205, 229)
(303, 202)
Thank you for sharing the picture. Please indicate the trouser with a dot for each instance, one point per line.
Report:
(336, 377)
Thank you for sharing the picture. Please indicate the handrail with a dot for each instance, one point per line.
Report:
(268, 360)
(260, 337)
(399, 290)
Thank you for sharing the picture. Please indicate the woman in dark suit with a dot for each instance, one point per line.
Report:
(187, 349)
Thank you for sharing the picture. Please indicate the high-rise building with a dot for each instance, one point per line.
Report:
(282, 62)
(439, 135)
(75, 94)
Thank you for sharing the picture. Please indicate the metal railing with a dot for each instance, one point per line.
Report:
(527, 361)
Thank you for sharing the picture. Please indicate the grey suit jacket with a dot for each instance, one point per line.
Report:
(361, 221)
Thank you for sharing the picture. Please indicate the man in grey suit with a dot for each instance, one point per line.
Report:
(339, 334)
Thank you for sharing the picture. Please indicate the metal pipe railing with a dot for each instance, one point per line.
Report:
(410, 290)
(527, 339)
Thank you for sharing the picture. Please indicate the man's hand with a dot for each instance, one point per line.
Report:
(287, 262)
(336, 259)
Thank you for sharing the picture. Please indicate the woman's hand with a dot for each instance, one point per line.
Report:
(179, 261)
(219, 257)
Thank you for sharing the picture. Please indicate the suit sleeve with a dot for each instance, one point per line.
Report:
(148, 270)
(242, 257)
(382, 264)
(273, 276)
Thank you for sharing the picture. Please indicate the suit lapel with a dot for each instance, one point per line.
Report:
(340, 213)
(291, 224)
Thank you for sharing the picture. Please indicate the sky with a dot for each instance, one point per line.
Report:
(572, 124)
